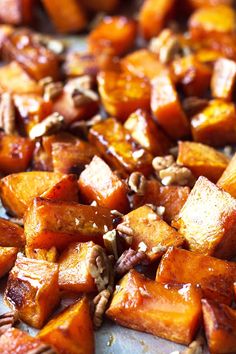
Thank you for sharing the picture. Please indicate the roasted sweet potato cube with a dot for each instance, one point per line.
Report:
(207, 55)
(207, 220)
(150, 230)
(98, 182)
(32, 290)
(227, 180)
(71, 331)
(193, 75)
(66, 189)
(19, 189)
(117, 147)
(73, 270)
(207, 21)
(143, 130)
(15, 153)
(101, 5)
(114, 34)
(51, 223)
(37, 60)
(202, 160)
(195, 4)
(122, 94)
(16, 341)
(220, 327)
(223, 79)
(168, 311)
(16, 12)
(154, 15)
(214, 276)
(166, 107)
(72, 18)
(222, 43)
(7, 259)
(142, 63)
(11, 235)
(42, 254)
(216, 124)
(13, 78)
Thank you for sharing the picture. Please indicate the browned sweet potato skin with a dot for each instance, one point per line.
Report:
(215, 276)
(223, 79)
(32, 290)
(56, 223)
(11, 235)
(7, 259)
(171, 312)
(76, 334)
(227, 180)
(207, 220)
(220, 327)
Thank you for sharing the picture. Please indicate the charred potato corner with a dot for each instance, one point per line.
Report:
(118, 175)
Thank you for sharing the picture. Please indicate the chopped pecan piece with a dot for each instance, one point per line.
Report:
(52, 90)
(125, 232)
(84, 97)
(49, 125)
(7, 320)
(166, 46)
(130, 259)
(110, 243)
(196, 347)
(100, 302)
(42, 349)
(161, 162)
(137, 183)
(176, 175)
(81, 83)
(7, 114)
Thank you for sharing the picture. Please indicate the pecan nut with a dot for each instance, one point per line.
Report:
(100, 305)
(176, 175)
(7, 321)
(84, 97)
(52, 90)
(110, 242)
(161, 162)
(196, 347)
(130, 259)
(137, 183)
(49, 125)
(166, 46)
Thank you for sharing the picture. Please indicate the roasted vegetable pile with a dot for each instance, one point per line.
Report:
(118, 175)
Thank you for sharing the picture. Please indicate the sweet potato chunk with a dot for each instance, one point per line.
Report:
(154, 15)
(122, 94)
(222, 43)
(42, 254)
(227, 180)
(220, 327)
(149, 229)
(19, 189)
(73, 270)
(66, 189)
(208, 21)
(113, 34)
(118, 148)
(207, 220)
(16, 12)
(101, 5)
(51, 223)
(13, 78)
(15, 153)
(143, 130)
(214, 276)
(98, 182)
(32, 290)
(142, 63)
(11, 235)
(7, 259)
(223, 79)
(195, 4)
(68, 17)
(71, 331)
(166, 107)
(37, 60)
(216, 124)
(168, 311)
(202, 160)
(16, 341)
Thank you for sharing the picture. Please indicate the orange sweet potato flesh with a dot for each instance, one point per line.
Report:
(11, 235)
(32, 290)
(154, 15)
(7, 259)
(202, 160)
(166, 107)
(42, 254)
(117, 147)
(122, 94)
(113, 34)
(66, 189)
(149, 228)
(168, 311)
(195, 4)
(227, 180)
(68, 17)
(19, 189)
(220, 327)
(73, 270)
(216, 124)
(13, 78)
(71, 331)
(16, 12)
(207, 220)
(98, 182)
(51, 223)
(223, 79)
(15, 153)
(214, 276)
(143, 129)
(16, 341)
(37, 60)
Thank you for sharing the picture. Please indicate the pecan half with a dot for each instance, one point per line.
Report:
(100, 305)
(7, 114)
(7, 320)
(49, 125)
(42, 349)
(130, 259)
(196, 347)
(52, 90)
(137, 183)
(193, 105)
